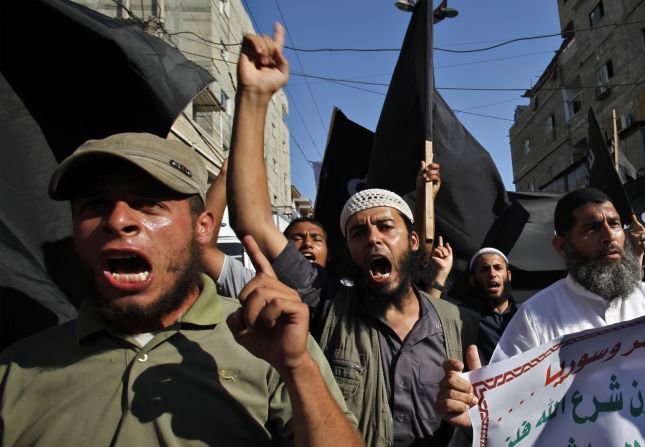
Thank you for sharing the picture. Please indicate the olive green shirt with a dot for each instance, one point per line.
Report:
(80, 384)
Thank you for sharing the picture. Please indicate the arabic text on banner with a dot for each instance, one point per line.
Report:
(579, 390)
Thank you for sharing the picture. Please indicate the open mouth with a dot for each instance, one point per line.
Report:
(380, 269)
(309, 256)
(494, 287)
(127, 268)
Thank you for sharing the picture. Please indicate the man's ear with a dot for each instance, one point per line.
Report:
(558, 243)
(414, 240)
(509, 274)
(204, 228)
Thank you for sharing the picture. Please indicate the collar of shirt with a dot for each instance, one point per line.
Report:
(583, 292)
(203, 312)
(427, 325)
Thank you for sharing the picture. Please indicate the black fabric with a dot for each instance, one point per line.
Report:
(67, 74)
(569, 202)
(343, 172)
(472, 194)
(601, 172)
(84, 75)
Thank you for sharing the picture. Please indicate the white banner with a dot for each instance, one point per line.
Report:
(579, 390)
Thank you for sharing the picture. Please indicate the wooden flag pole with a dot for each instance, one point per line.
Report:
(429, 202)
(613, 118)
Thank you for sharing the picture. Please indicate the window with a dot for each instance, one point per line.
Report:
(223, 51)
(225, 7)
(225, 102)
(596, 14)
(274, 132)
(605, 72)
(549, 124)
(527, 145)
(568, 32)
(572, 103)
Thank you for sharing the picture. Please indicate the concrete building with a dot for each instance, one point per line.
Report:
(600, 64)
(209, 32)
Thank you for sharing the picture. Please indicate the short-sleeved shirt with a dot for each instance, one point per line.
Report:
(233, 277)
(192, 384)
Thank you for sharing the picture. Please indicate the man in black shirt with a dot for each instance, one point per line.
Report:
(490, 278)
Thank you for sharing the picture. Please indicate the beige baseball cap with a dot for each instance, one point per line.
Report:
(171, 162)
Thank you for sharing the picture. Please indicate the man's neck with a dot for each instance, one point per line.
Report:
(501, 308)
(163, 322)
(402, 319)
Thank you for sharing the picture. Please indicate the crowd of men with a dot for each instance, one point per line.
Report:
(160, 356)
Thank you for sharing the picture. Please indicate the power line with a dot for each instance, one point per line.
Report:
(313, 99)
(303, 122)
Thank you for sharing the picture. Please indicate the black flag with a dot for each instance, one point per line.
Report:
(84, 75)
(601, 171)
(406, 118)
(343, 172)
(67, 74)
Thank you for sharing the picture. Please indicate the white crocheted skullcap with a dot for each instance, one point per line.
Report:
(372, 198)
(486, 251)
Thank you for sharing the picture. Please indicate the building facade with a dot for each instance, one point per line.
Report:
(600, 64)
(209, 32)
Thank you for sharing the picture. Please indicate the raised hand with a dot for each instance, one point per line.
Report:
(429, 173)
(273, 322)
(262, 65)
(442, 257)
(637, 233)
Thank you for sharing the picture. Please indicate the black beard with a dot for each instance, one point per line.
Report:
(608, 279)
(493, 301)
(134, 315)
(378, 301)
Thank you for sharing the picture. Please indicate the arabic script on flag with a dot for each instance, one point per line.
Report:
(579, 390)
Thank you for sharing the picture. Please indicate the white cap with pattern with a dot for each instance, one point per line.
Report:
(372, 198)
(486, 251)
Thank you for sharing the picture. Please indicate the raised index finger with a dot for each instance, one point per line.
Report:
(259, 261)
(278, 34)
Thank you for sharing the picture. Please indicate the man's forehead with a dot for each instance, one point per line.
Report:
(489, 259)
(374, 215)
(593, 211)
(305, 227)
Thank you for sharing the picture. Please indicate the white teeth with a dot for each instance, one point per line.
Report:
(382, 275)
(130, 277)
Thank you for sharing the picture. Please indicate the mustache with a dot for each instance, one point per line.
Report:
(614, 246)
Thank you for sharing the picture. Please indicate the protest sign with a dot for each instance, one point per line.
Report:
(579, 390)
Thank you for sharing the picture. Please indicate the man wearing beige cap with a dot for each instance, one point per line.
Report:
(150, 359)
(385, 339)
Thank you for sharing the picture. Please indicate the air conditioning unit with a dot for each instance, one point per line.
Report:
(624, 121)
(602, 91)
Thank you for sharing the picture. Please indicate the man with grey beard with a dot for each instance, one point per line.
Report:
(603, 287)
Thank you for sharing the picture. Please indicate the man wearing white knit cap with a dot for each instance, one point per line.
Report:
(385, 339)
(490, 279)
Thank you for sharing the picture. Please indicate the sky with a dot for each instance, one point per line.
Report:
(377, 24)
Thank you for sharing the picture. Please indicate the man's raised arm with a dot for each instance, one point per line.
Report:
(262, 70)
